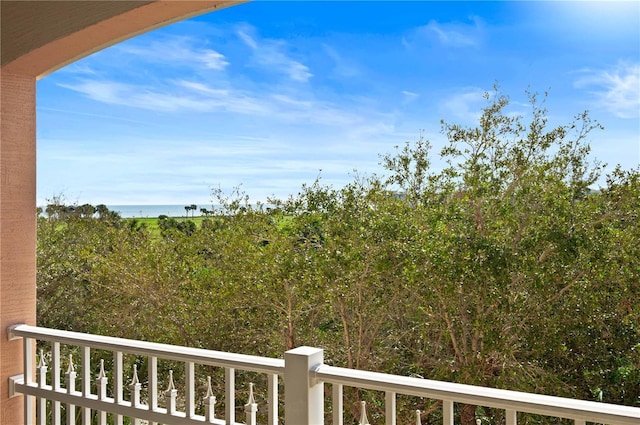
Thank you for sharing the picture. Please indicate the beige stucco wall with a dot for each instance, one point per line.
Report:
(17, 227)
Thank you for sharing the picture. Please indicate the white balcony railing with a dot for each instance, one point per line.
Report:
(303, 370)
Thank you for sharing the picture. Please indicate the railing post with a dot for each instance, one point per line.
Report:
(303, 394)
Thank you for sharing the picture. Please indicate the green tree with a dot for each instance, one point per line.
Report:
(505, 253)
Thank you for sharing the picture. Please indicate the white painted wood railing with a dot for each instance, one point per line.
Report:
(133, 407)
(303, 370)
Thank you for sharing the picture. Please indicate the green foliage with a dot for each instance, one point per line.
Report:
(503, 269)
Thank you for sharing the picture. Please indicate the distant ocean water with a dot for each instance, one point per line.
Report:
(151, 211)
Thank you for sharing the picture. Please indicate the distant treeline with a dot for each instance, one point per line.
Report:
(57, 209)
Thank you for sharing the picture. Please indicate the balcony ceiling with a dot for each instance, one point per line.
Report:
(28, 25)
(38, 37)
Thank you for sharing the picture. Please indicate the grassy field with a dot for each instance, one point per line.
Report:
(151, 223)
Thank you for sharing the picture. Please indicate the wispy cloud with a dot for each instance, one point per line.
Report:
(185, 95)
(449, 34)
(66, 112)
(343, 67)
(78, 68)
(616, 89)
(287, 100)
(409, 96)
(177, 51)
(179, 96)
(110, 92)
(228, 100)
(272, 54)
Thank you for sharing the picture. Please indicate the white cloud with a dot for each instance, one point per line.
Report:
(616, 89)
(154, 99)
(303, 104)
(343, 67)
(213, 60)
(409, 96)
(177, 51)
(202, 88)
(272, 55)
(78, 68)
(247, 39)
(298, 71)
(102, 91)
(450, 34)
(185, 95)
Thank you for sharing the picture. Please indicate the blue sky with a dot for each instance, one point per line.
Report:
(271, 95)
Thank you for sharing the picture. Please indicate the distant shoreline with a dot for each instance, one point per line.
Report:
(152, 211)
(155, 211)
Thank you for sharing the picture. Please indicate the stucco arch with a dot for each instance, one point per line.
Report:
(37, 38)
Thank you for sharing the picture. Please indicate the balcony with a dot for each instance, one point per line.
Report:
(54, 397)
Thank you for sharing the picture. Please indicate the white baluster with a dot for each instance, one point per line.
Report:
(101, 385)
(41, 403)
(134, 388)
(272, 406)
(390, 408)
(56, 417)
(170, 395)
(230, 395)
(337, 402)
(511, 417)
(70, 378)
(447, 412)
(209, 403)
(86, 383)
(363, 414)
(418, 420)
(152, 374)
(251, 408)
(118, 382)
(190, 390)
(27, 345)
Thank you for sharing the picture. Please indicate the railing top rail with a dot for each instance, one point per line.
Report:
(481, 396)
(165, 351)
